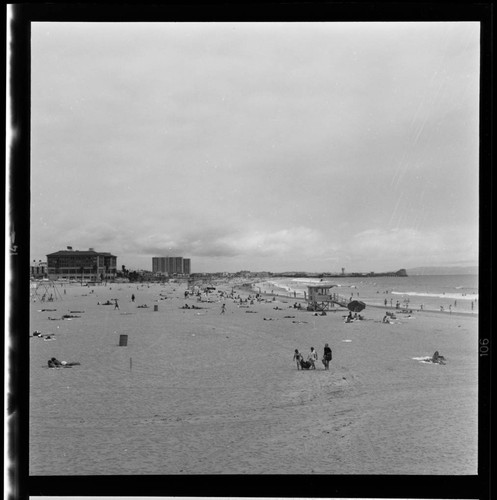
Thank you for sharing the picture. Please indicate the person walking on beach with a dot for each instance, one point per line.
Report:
(298, 358)
(385, 302)
(223, 308)
(116, 305)
(312, 358)
(326, 356)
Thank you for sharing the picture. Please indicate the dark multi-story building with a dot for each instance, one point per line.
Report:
(86, 265)
(171, 265)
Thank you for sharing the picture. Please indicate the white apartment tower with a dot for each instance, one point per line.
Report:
(171, 265)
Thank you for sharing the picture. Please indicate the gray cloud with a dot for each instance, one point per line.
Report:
(256, 143)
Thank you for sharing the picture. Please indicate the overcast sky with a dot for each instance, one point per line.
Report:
(260, 146)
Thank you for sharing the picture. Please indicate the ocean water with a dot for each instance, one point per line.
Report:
(456, 293)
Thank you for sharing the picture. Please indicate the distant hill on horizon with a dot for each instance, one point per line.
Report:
(442, 270)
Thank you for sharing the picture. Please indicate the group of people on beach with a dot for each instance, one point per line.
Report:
(312, 358)
(353, 317)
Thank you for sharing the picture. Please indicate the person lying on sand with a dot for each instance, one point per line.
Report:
(55, 363)
(437, 358)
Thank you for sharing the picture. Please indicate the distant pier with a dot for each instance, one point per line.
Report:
(401, 273)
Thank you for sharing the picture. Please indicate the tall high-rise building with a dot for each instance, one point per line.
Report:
(187, 266)
(171, 265)
(158, 265)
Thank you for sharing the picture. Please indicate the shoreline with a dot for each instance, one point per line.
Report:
(249, 287)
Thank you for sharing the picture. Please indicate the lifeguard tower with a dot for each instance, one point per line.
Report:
(319, 298)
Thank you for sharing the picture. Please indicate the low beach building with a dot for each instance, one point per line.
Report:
(81, 265)
(38, 270)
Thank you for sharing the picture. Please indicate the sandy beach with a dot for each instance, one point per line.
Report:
(200, 392)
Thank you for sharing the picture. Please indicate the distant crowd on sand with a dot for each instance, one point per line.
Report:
(405, 307)
(205, 295)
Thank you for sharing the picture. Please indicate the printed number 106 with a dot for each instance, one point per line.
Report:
(484, 347)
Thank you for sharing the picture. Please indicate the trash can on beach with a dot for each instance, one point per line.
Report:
(123, 340)
(156, 308)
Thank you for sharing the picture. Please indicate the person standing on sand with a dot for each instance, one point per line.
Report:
(132, 297)
(326, 356)
(298, 358)
(312, 358)
(116, 305)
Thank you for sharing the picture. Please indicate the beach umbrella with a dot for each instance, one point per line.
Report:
(356, 306)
